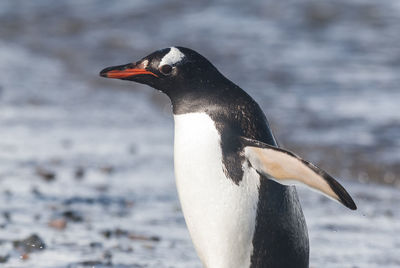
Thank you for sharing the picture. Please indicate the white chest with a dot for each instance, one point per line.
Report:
(220, 215)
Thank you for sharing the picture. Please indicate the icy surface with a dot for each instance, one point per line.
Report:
(97, 154)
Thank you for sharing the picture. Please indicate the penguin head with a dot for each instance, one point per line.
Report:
(173, 70)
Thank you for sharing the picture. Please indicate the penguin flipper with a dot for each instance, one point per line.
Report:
(287, 168)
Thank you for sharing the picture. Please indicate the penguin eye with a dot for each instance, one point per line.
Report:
(166, 69)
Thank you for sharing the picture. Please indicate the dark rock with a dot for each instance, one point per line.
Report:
(4, 259)
(320, 13)
(107, 256)
(45, 174)
(96, 245)
(7, 216)
(79, 200)
(90, 263)
(124, 233)
(103, 200)
(36, 192)
(73, 216)
(102, 188)
(8, 193)
(79, 173)
(107, 233)
(30, 244)
(115, 233)
(144, 238)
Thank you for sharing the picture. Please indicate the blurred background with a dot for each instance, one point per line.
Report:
(86, 163)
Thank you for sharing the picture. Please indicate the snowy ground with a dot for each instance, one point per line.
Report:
(86, 163)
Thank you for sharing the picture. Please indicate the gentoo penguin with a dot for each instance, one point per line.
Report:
(234, 183)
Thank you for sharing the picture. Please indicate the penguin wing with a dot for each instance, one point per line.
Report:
(287, 168)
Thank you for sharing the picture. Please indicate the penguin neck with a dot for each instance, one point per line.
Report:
(204, 95)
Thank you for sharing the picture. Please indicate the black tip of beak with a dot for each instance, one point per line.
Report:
(104, 72)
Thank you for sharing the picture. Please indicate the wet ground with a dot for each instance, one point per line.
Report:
(86, 164)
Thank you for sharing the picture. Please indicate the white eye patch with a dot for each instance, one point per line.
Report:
(172, 57)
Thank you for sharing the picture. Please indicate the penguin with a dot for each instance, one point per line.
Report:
(235, 184)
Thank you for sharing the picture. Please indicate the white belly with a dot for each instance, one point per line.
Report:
(220, 215)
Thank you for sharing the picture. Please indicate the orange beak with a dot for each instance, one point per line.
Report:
(124, 71)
